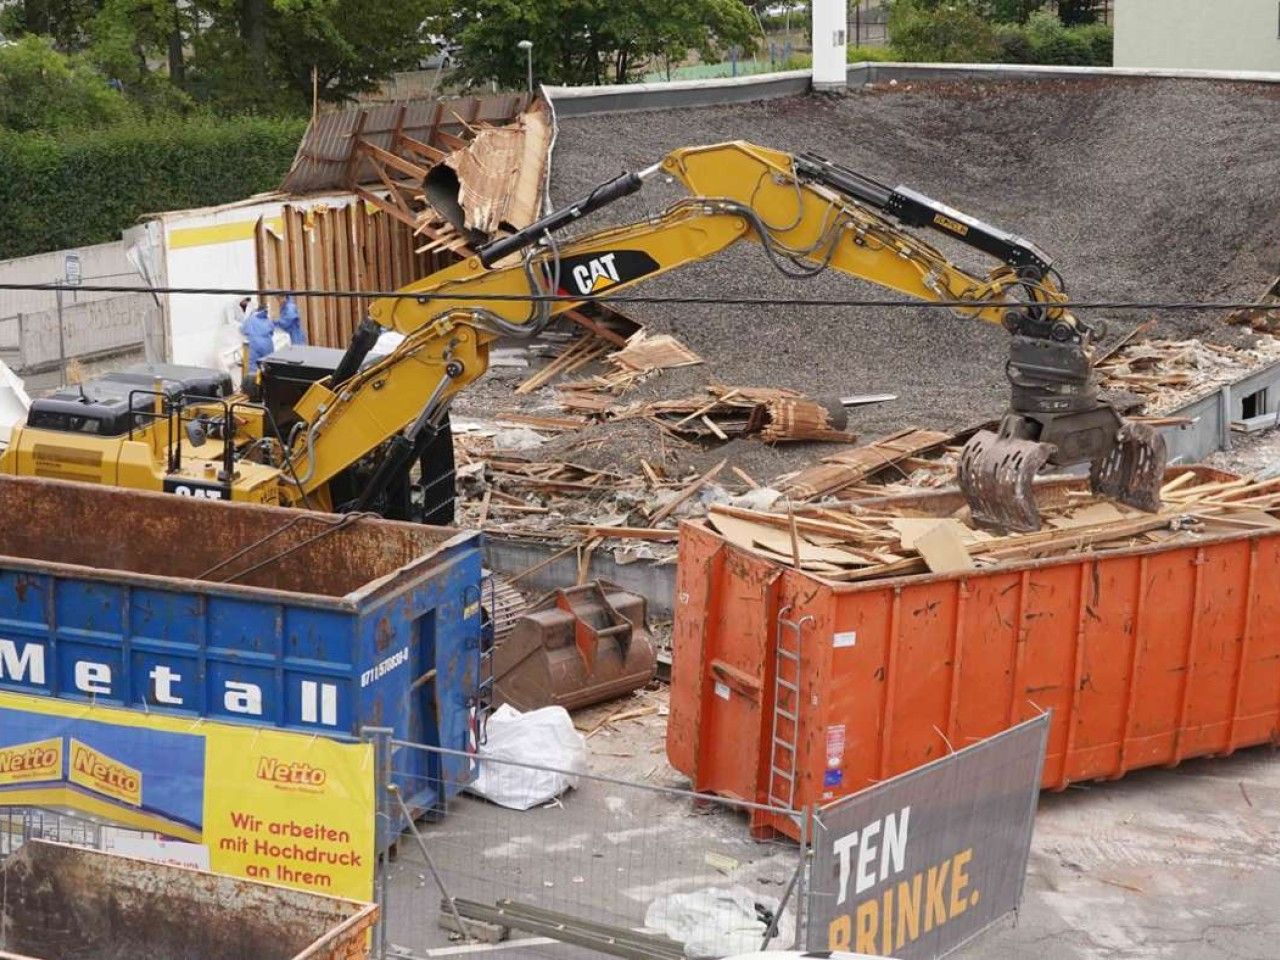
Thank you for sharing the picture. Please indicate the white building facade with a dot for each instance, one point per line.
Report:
(1198, 34)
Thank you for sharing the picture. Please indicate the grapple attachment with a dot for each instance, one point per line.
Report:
(997, 470)
(1134, 469)
(995, 475)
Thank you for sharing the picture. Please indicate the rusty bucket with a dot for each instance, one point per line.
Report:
(574, 647)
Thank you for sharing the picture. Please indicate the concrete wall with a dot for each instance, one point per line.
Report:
(99, 263)
(1198, 34)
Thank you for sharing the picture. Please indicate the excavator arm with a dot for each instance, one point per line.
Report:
(809, 215)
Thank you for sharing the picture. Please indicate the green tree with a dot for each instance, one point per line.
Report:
(1013, 11)
(131, 37)
(589, 41)
(258, 55)
(44, 90)
(942, 30)
(66, 21)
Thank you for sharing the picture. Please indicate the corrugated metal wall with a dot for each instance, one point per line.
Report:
(350, 247)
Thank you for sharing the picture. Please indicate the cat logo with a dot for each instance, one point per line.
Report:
(594, 273)
(947, 223)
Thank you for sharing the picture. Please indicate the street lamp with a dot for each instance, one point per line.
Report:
(527, 47)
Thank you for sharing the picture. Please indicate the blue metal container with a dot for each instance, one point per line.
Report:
(274, 617)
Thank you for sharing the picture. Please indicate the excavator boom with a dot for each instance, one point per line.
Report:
(809, 215)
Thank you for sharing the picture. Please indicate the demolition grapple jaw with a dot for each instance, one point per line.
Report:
(1133, 471)
(997, 470)
(996, 475)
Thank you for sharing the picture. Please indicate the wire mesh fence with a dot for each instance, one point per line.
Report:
(608, 853)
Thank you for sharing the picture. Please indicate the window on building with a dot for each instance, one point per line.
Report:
(1254, 405)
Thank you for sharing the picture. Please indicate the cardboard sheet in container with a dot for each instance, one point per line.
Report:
(279, 618)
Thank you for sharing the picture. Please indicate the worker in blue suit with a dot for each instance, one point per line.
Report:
(257, 329)
(290, 322)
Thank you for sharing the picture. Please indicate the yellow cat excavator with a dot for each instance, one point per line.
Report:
(338, 431)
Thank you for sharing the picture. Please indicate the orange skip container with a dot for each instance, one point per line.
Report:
(791, 690)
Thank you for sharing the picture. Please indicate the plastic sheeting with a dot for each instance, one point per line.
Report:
(14, 402)
(717, 921)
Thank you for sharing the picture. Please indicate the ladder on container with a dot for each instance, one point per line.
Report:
(786, 709)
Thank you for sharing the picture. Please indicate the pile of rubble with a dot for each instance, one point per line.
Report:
(1168, 374)
(895, 536)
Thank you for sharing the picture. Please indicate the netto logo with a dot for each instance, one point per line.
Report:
(104, 774)
(291, 773)
(947, 223)
(38, 760)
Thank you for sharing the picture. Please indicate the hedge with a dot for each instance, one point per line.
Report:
(86, 187)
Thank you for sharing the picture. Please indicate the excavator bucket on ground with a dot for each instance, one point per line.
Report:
(997, 473)
(575, 647)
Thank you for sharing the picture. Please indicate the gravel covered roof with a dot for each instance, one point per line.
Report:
(1140, 189)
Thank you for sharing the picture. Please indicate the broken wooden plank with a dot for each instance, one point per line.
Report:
(687, 492)
(628, 533)
(943, 550)
(851, 466)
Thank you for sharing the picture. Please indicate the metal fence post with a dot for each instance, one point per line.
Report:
(62, 343)
(802, 886)
(381, 739)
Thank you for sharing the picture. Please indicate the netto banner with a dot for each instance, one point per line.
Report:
(273, 805)
(916, 866)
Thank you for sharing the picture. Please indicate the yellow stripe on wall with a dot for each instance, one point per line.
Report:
(184, 237)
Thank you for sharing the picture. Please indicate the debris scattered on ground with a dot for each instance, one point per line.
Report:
(1170, 373)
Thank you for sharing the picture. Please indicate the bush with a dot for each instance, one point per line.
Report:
(85, 188)
(1012, 44)
(1053, 43)
(955, 31)
(872, 54)
(1100, 39)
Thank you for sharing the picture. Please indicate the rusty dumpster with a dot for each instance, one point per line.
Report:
(63, 902)
(1145, 655)
(308, 621)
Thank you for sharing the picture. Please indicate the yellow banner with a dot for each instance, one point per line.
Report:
(283, 807)
(31, 762)
(102, 774)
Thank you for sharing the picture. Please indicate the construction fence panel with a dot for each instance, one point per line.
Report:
(920, 864)
(623, 856)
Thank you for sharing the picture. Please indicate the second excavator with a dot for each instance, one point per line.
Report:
(361, 425)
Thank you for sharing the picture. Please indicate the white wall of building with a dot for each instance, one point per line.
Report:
(1198, 34)
(211, 248)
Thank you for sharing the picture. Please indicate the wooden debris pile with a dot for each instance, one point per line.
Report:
(1265, 316)
(773, 414)
(847, 468)
(1170, 373)
(906, 535)
(642, 357)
